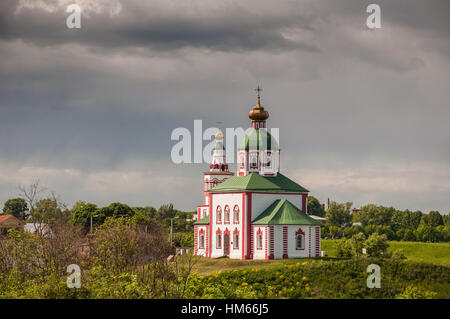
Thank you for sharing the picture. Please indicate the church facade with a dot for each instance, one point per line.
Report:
(258, 213)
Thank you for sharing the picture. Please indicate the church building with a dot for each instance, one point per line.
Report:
(258, 213)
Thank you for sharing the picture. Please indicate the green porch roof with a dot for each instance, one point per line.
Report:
(203, 221)
(256, 182)
(283, 212)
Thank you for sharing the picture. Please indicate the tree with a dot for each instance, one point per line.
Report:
(82, 213)
(315, 207)
(435, 219)
(400, 220)
(165, 211)
(30, 193)
(376, 245)
(339, 214)
(374, 215)
(17, 207)
(146, 211)
(48, 210)
(414, 219)
(115, 210)
(427, 233)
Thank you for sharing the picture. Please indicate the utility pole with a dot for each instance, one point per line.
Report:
(91, 222)
(171, 231)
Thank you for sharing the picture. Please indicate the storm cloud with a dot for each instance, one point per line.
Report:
(363, 114)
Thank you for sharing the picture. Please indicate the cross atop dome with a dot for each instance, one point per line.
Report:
(258, 90)
(219, 134)
(258, 115)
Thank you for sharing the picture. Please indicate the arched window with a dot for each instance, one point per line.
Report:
(219, 239)
(259, 239)
(242, 160)
(236, 239)
(201, 239)
(254, 161)
(219, 215)
(226, 218)
(267, 160)
(236, 214)
(299, 239)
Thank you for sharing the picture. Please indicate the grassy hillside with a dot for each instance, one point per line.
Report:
(321, 278)
(434, 253)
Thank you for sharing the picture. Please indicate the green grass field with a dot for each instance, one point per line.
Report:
(431, 253)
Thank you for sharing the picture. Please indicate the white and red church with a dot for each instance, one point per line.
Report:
(258, 213)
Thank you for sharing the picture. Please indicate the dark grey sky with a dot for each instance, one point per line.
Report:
(363, 114)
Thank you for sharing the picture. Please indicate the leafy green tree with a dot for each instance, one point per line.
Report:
(165, 212)
(435, 219)
(414, 219)
(374, 215)
(315, 207)
(48, 210)
(385, 230)
(405, 234)
(443, 233)
(146, 211)
(400, 219)
(17, 207)
(82, 213)
(376, 245)
(114, 210)
(338, 214)
(426, 233)
(351, 231)
(357, 244)
(183, 239)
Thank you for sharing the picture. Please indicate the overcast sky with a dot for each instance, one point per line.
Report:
(363, 114)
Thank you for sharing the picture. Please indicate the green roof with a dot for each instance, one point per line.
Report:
(256, 182)
(283, 212)
(204, 221)
(257, 139)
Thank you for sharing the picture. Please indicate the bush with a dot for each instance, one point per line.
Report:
(350, 231)
(398, 254)
(183, 239)
(412, 292)
(376, 245)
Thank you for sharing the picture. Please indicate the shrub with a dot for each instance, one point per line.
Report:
(398, 254)
(376, 245)
(412, 292)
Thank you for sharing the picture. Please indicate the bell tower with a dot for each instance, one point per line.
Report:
(218, 169)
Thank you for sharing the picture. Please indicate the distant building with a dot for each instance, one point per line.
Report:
(39, 228)
(8, 222)
(355, 210)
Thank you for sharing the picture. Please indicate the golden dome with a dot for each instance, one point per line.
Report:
(219, 135)
(258, 113)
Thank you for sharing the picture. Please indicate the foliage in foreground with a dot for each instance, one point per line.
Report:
(326, 279)
(305, 279)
